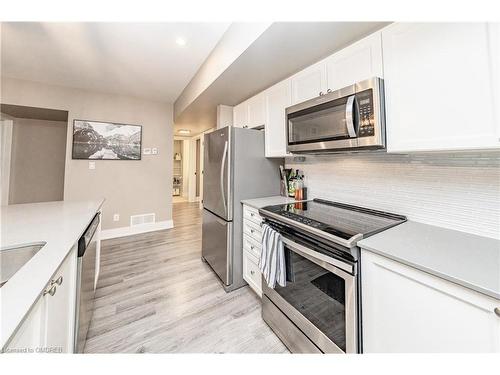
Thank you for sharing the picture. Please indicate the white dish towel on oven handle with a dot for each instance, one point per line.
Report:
(272, 257)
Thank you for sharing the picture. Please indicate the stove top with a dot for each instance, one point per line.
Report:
(339, 222)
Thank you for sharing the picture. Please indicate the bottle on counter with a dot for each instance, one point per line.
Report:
(291, 184)
(300, 190)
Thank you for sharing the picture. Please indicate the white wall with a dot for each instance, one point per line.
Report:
(129, 187)
(457, 191)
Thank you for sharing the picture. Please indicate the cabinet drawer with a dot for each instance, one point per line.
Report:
(252, 214)
(252, 230)
(251, 272)
(252, 246)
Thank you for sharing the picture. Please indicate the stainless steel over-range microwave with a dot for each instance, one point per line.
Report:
(351, 118)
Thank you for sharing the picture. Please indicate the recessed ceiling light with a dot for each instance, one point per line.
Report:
(184, 131)
(180, 41)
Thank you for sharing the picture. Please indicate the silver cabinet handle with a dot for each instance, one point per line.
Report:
(57, 281)
(497, 311)
(51, 290)
(321, 93)
(329, 91)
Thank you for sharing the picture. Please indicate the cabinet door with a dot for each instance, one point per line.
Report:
(256, 110)
(29, 335)
(60, 307)
(240, 115)
(251, 272)
(438, 87)
(278, 98)
(309, 83)
(406, 310)
(359, 61)
(494, 33)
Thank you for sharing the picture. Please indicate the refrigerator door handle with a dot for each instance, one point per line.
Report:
(222, 167)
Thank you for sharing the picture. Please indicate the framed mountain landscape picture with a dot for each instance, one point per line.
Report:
(106, 140)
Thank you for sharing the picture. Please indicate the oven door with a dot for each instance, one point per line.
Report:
(320, 298)
(323, 124)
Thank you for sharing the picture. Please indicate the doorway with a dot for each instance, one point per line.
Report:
(180, 171)
(34, 154)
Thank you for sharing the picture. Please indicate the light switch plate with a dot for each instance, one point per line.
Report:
(154, 151)
(91, 164)
(147, 151)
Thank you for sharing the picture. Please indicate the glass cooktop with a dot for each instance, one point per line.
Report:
(338, 219)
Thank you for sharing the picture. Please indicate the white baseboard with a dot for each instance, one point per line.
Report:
(129, 231)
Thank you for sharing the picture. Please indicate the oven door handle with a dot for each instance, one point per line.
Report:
(349, 116)
(338, 267)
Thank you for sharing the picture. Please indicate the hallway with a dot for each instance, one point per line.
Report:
(156, 295)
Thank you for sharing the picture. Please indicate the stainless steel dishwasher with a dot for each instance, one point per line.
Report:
(87, 247)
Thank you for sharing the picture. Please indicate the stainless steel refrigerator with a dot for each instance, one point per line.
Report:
(234, 169)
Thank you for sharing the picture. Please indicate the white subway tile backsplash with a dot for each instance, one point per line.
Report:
(459, 191)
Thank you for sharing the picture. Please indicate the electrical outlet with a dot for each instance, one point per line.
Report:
(116, 217)
(147, 151)
(91, 164)
(154, 151)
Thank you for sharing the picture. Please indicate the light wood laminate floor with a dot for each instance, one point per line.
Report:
(155, 295)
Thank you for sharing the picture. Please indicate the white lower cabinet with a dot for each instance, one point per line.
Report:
(49, 325)
(407, 310)
(29, 335)
(60, 308)
(251, 272)
(252, 248)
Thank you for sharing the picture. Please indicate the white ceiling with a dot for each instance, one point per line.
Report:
(135, 59)
(280, 51)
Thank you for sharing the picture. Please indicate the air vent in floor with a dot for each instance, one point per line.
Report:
(142, 219)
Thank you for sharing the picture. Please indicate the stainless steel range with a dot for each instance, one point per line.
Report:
(319, 309)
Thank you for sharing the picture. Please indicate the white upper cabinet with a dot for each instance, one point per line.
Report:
(309, 83)
(278, 97)
(251, 113)
(240, 115)
(256, 107)
(357, 62)
(439, 86)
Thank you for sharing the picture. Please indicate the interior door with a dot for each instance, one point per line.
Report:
(216, 245)
(216, 167)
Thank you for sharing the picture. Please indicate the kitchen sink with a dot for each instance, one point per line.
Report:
(14, 257)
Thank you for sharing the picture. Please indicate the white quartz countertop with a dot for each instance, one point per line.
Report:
(60, 225)
(267, 201)
(463, 258)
